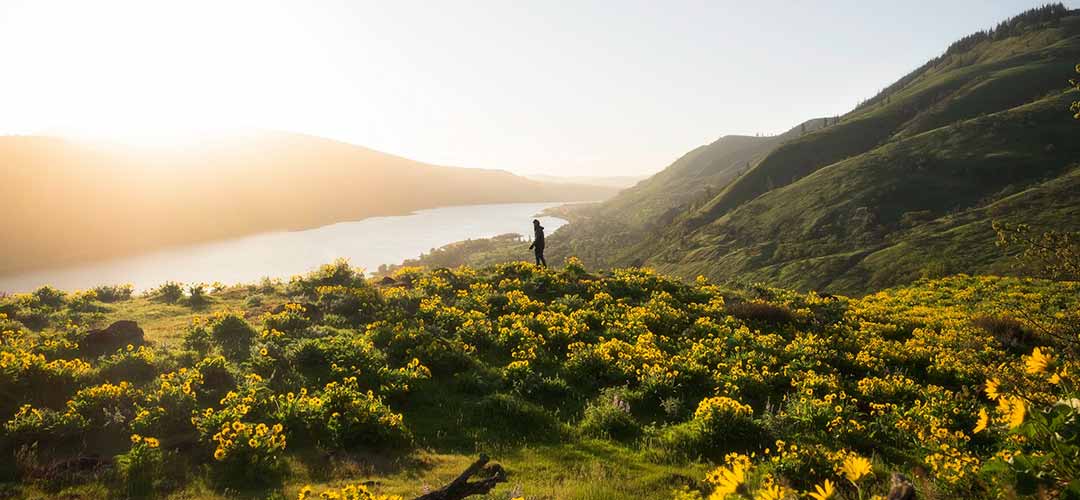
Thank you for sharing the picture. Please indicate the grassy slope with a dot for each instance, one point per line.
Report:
(572, 467)
(599, 234)
(901, 188)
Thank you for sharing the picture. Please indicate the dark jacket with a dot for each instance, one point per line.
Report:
(538, 239)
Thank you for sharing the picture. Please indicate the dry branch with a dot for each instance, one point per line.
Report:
(461, 487)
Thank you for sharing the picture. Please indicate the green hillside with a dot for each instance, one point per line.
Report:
(582, 385)
(904, 186)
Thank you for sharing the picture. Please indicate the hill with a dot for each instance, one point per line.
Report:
(582, 385)
(906, 185)
(67, 201)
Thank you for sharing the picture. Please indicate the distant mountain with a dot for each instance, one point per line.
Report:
(903, 186)
(617, 181)
(67, 201)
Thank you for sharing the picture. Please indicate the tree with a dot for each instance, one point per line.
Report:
(1048, 254)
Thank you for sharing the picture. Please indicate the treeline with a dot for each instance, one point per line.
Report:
(1016, 25)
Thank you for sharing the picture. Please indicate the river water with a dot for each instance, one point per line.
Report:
(366, 243)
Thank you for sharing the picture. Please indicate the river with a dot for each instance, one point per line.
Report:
(366, 243)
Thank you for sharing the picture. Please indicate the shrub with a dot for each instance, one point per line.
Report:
(114, 293)
(140, 466)
(609, 416)
(725, 424)
(757, 310)
(129, 363)
(216, 379)
(292, 319)
(508, 418)
(170, 292)
(50, 297)
(1009, 331)
(232, 334)
(249, 452)
(197, 296)
(198, 338)
(356, 418)
(340, 273)
(358, 303)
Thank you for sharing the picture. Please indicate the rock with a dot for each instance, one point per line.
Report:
(387, 281)
(115, 336)
(902, 489)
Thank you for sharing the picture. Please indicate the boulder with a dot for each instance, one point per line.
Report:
(111, 338)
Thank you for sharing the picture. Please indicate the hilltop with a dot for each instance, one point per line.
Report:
(69, 201)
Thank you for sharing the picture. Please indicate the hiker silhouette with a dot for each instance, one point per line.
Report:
(538, 243)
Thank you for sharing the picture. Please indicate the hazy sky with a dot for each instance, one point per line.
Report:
(558, 87)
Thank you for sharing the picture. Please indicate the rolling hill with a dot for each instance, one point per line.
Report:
(68, 201)
(905, 185)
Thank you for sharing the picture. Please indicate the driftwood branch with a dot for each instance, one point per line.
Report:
(461, 487)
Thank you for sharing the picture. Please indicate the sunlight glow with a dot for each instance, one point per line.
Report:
(155, 73)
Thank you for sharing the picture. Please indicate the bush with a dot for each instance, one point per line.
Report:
(50, 297)
(340, 273)
(609, 416)
(356, 418)
(508, 418)
(170, 292)
(1009, 331)
(129, 363)
(140, 466)
(232, 334)
(249, 453)
(114, 293)
(197, 296)
(757, 310)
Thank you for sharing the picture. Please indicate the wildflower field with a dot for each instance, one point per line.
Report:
(625, 384)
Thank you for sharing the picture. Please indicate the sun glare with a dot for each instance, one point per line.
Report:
(156, 74)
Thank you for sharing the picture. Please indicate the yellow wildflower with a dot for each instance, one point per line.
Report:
(772, 492)
(1037, 362)
(992, 387)
(984, 419)
(854, 468)
(1016, 413)
(824, 491)
(728, 479)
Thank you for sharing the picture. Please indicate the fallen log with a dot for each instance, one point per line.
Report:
(461, 487)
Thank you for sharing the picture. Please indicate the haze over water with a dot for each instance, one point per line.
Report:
(366, 243)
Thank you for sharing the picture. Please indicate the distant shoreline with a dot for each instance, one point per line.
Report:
(376, 242)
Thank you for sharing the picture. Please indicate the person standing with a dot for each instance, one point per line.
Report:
(538, 243)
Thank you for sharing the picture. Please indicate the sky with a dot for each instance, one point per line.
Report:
(567, 88)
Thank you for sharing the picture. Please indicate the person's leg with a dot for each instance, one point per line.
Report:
(536, 255)
(540, 254)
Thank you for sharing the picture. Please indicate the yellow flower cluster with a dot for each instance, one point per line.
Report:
(357, 491)
(238, 437)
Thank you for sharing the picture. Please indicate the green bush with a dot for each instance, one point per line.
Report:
(114, 293)
(140, 466)
(609, 416)
(137, 364)
(170, 292)
(231, 333)
(509, 418)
